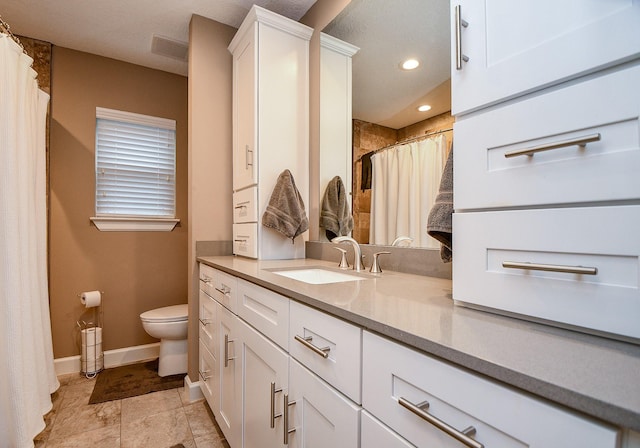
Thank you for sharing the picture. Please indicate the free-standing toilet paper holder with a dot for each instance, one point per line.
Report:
(91, 355)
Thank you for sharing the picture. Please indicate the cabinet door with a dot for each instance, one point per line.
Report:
(245, 157)
(377, 435)
(319, 416)
(230, 413)
(265, 380)
(516, 48)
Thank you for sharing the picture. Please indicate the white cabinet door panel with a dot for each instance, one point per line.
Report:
(377, 435)
(516, 47)
(265, 310)
(230, 365)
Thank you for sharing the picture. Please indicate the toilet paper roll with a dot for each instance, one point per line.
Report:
(91, 298)
(91, 336)
(92, 351)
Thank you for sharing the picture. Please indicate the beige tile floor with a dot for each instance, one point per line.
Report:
(155, 420)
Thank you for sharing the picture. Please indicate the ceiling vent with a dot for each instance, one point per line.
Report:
(170, 48)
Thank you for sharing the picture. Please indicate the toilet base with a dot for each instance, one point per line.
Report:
(173, 357)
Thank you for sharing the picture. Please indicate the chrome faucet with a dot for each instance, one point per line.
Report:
(357, 262)
(400, 239)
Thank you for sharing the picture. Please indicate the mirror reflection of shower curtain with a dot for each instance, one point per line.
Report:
(405, 184)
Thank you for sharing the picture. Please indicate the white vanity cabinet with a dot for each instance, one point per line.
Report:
(230, 367)
(431, 403)
(513, 49)
(546, 161)
(270, 126)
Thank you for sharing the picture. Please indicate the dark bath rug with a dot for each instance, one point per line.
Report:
(132, 380)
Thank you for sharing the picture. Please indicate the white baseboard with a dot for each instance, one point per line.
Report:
(112, 358)
(193, 390)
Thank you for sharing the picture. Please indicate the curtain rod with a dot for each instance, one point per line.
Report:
(4, 26)
(409, 140)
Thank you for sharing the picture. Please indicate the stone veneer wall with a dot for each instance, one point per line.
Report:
(369, 137)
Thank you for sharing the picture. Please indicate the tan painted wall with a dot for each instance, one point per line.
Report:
(137, 271)
(210, 140)
(318, 17)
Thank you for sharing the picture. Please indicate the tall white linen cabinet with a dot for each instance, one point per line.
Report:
(270, 126)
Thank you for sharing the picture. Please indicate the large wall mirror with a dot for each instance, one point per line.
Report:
(385, 101)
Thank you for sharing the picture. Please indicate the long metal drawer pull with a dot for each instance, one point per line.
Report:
(287, 431)
(460, 22)
(206, 280)
(580, 141)
(204, 376)
(274, 416)
(204, 322)
(226, 350)
(246, 156)
(324, 351)
(550, 268)
(461, 436)
(224, 290)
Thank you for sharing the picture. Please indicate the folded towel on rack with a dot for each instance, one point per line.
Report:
(285, 211)
(440, 217)
(335, 215)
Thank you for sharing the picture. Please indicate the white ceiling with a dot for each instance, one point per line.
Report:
(386, 32)
(124, 29)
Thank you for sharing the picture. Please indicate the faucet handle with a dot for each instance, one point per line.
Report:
(375, 267)
(344, 264)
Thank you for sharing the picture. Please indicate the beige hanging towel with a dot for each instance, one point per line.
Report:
(285, 212)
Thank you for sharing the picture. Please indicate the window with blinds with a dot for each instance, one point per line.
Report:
(135, 165)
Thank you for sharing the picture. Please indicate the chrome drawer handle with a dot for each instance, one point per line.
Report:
(274, 416)
(225, 290)
(324, 352)
(550, 268)
(580, 141)
(246, 157)
(226, 350)
(460, 22)
(203, 375)
(287, 431)
(242, 204)
(205, 322)
(460, 436)
(207, 280)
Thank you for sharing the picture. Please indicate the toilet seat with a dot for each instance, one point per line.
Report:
(174, 313)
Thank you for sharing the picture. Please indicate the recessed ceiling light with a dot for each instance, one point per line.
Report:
(424, 108)
(410, 64)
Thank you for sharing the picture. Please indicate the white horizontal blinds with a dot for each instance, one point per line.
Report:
(135, 165)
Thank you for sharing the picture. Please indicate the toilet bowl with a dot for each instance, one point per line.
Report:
(169, 324)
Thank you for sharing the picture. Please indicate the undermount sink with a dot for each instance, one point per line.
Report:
(317, 276)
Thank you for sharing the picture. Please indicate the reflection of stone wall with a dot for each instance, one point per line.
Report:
(368, 137)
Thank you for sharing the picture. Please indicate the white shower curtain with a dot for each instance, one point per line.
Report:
(403, 189)
(27, 376)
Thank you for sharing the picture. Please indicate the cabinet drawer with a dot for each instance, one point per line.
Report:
(207, 279)
(604, 238)
(226, 290)
(208, 326)
(245, 205)
(208, 372)
(377, 435)
(501, 416)
(603, 170)
(342, 367)
(245, 240)
(266, 311)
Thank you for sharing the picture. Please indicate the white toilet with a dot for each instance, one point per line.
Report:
(169, 324)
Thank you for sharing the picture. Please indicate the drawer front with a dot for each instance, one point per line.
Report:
(245, 240)
(226, 290)
(208, 326)
(207, 279)
(603, 238)
(311, 331)
(500, 416)
(377, 435)
(245, 205)
(602, 170)
(266, 311)
(208, 372)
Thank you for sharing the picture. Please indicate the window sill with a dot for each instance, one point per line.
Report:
(125, 224)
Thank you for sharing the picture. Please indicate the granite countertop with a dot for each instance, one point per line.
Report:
(594, 375)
